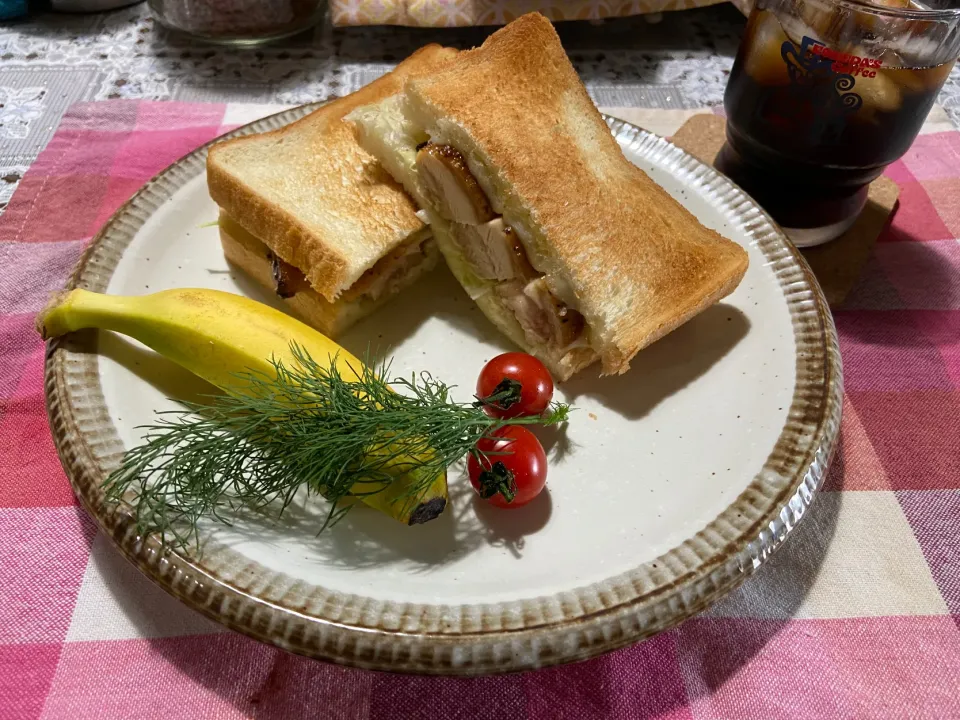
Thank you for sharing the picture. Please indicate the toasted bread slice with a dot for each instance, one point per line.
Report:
(608, 241)
(256, 260)
(311, 195)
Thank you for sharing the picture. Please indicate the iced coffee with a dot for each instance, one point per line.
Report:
(823, 96)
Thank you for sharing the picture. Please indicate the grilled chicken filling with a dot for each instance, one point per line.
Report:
(385, 277)
(287, 280)
(389, 272)
(452, 188)
(494, 252)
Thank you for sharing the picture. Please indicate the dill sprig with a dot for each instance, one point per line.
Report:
(304, 425)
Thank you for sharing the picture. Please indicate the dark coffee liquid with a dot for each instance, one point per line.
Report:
(809, 128)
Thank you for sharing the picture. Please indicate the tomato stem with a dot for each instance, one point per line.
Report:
(497, 480)
(504, 395)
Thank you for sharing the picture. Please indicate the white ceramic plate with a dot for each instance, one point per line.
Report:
(671, 483)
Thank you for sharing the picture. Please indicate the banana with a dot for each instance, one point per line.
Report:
(215, 335)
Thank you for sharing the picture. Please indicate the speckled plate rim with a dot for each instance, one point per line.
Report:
(468, 639)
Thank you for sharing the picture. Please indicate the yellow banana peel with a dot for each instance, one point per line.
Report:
(217, 335)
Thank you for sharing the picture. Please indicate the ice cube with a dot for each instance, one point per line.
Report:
(880, 93)
(909, 80)
(796, 29)
(822, 19)
(918, 51)
(920, 80)
(764, 62)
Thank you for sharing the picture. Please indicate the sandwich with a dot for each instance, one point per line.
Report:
(312, 217)
(567, 247)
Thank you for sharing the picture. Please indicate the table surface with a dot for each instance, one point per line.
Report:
(858, 616)
(53, 61)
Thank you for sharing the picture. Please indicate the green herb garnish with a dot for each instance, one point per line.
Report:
(308, 426)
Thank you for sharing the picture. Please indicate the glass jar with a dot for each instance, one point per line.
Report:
(238, 22)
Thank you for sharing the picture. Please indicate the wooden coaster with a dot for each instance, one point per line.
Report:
(837, 264)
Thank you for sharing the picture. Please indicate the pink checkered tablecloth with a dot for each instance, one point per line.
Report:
(858, 616)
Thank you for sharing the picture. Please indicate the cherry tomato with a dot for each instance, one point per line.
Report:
(509, 480)
(514, 384)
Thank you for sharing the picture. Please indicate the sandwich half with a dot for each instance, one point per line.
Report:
(566, 246)
(311, 216)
